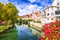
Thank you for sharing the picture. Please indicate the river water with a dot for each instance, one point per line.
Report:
(25, 33)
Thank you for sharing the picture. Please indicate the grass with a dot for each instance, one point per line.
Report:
(10, 34)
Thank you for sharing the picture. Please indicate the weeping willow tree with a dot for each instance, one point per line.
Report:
(8, 12)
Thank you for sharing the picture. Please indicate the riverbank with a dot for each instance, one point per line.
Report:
(10, 34)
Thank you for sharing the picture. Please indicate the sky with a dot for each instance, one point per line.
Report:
(28, 6)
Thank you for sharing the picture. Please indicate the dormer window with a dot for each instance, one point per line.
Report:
(47, 18)
(51, 18)
(47, 9)
(57, 3)
(57, 8)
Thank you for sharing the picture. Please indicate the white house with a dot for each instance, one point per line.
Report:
(49, 14)
(52, 12)
(57, 4)
(43, 17)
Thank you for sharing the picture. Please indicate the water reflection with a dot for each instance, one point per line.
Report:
(25, 33)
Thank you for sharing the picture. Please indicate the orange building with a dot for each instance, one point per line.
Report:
(36, 16)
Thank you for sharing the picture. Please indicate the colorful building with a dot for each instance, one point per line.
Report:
(36, 16)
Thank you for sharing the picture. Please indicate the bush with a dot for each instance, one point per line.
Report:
(30, 20)
(25, 21)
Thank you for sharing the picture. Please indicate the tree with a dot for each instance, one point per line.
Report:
(12, 12)
(8, 12)
(1, 10)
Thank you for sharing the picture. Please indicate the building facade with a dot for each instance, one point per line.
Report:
(50, 13)
(57, 4)
(36, 16)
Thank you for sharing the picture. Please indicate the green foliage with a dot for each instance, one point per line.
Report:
(8, 12)
(19, 22)
(25, 21)
(30, 20)
(1, 10)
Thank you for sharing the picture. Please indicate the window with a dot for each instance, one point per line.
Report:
(52, 8)
(47, 14)
(47, 9)
(57, 3)
(58, 17)
(47, 18)
(51, 18)
(52, 14)
(57, 12)
(42, 14)
(57, 8)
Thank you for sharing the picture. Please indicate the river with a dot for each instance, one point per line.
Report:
(25, 33)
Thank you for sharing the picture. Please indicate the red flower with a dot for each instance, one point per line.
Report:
(44, 30)
(47, 34)
(58, 35)
(56, 28)
(49, 30)
(49, 38)
(52, 31)
(46, 26)
(51, 24)
(42, 38)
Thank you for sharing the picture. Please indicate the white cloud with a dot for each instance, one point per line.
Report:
(4, 1)
(27, 9)
(32, 1)
(35, 1)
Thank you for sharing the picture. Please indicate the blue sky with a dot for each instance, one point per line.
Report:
(27, 6)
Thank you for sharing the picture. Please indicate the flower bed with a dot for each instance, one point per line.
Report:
(51, 31)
